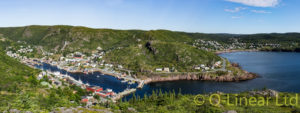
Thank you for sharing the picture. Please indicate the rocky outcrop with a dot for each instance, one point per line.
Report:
(204, 77)
(267, 92)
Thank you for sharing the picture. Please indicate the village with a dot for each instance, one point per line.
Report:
(78, 62)
(235, 44)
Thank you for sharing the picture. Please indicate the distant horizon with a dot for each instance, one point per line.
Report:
(205, 16)
(151, 29)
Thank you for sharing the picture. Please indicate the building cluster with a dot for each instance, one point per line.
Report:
(207, 45)
(200, 67)
(204, 67)
(96, 90)
(19, 53)
(56, 78)
(79, 62)
(234, 43)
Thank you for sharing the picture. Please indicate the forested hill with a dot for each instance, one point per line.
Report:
(134, 49)
(83, 38)
(19, 89)
(145, 50)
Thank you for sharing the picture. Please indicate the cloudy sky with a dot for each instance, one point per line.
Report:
(206, 16)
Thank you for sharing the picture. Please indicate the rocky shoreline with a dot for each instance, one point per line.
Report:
(230, 51)
(202, 77)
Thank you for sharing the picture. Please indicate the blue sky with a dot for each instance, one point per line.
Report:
(206, 16)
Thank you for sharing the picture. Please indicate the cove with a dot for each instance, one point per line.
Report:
(278, 70)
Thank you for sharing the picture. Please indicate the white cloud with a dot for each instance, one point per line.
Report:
(260, 11)
(237, 9)
(257, 3)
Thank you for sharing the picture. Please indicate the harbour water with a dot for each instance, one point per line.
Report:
(93, 79)
(278, 70)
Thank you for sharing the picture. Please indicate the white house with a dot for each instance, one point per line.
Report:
(159, 69)
(166, 69)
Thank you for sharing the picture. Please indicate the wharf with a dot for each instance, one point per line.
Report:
(122, 94)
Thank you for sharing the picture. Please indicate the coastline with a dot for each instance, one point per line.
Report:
(256, 50)
(206, 76)
(151, 77)
(184, 76)
(230, 51)
(202, 77)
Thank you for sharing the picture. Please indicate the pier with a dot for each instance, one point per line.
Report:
(122, 94)
(141, 84)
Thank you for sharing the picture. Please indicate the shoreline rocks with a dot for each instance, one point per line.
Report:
(203, 77)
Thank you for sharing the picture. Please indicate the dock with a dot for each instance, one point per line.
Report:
(141, 84)
(122, 94)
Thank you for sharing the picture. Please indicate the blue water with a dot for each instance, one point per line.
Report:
(104, 81)
(278, 70)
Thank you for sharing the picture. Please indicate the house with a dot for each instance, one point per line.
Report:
(166, 69)
(99, 48)
(197, 67)
(78, 55)
(40, 76)
(202, 66)
(217, 64)
(94, 89)
(106, 93)
(61, 58)
(85, 99)
(206, 68)
(93, 65)
(158, 69)
(120, 66)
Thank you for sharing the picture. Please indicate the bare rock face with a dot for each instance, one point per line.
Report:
(150, 48)
(204, 77)
(27, 32)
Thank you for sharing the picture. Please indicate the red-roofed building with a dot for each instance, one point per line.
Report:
(85, 100)
(106, 93)
(94, 89)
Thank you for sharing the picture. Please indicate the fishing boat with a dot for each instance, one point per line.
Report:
(87, 84)
(57, 73)
(131, 82)
(124, 81)
(79, 81)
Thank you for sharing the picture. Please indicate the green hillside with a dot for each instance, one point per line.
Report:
(126, 47)
(19, 89)
(129, 47)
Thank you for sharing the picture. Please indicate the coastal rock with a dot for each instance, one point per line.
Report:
(204, 77)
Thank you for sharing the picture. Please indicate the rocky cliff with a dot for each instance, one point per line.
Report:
(205, 76)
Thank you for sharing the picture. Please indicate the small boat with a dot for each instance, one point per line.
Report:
(109, 90)
(57, 73)
(98, 76)
(131, 82)
(79, 81)
(123, 81)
